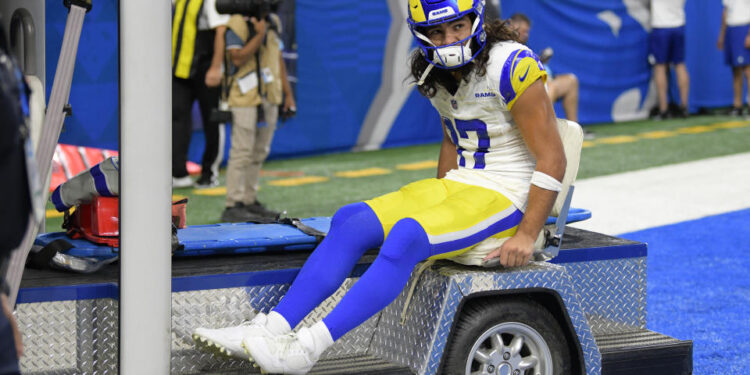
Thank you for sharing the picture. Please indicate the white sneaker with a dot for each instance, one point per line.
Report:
(227, 342)
(182, 182)
(291, 353)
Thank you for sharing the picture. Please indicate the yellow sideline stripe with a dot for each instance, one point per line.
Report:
(697, 129)
(211, 192)
(730, 124)
(617, 139)
(363, 172)
(657, 134)
(427, 164)
(298, 181)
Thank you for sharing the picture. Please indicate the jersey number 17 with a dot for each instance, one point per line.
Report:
(462, 128)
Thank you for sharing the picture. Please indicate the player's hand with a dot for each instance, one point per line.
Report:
(515, 252)
(213, 77)
(259, 26)
(747, 41)
(8, 312)
(720, 42)
(289, 103)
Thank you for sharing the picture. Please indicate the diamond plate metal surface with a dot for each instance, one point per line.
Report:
(212, 308)
(536, 275)
(98, 336)
(69, 337)
(612, 293)
(419, 344)
(229, 307)
(410, 344)
(81, 336)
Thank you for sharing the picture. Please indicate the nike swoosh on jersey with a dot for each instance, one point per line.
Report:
(523, 77)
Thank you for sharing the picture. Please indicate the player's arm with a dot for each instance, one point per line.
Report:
(289, 102)
(535, 117)
(722, 30)
(447, 159)
(213, 75)
(240, 56)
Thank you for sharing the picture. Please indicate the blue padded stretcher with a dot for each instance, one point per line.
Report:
(213, 239)
(239, 238)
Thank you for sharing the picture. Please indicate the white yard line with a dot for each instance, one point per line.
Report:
(664, 195)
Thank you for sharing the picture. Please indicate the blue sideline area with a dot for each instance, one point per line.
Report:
(699, 288)
(339, 75)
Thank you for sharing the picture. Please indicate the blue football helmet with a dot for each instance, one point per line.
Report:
(426, 13)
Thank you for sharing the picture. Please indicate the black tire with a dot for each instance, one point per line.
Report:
(513, 318)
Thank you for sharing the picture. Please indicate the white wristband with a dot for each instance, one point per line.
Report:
(545, 181)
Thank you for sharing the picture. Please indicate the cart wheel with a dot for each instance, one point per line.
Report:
(510, 337)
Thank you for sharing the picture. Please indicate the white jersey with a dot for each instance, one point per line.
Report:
(667, 13)
(491, 151)
(738, 12)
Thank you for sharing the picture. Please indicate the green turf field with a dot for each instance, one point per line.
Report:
(616, 148)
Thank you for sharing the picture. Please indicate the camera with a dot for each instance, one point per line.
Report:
(260, 9)
(221, 114)
(287, 114)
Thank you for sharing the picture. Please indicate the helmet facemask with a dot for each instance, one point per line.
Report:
(456, 54)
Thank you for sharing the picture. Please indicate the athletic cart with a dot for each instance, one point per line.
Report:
(585, 307)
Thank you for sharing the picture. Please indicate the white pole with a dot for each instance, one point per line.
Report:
(145, 186)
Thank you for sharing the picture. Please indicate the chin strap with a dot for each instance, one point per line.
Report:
(424, 75)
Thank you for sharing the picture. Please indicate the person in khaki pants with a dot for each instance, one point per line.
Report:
(258, 81)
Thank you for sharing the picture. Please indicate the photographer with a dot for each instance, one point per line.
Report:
(257, 86)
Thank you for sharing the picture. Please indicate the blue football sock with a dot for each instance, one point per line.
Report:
(407, 244)
(354, 229)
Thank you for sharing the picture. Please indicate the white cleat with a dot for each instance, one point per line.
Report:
(227, 342)
(182, 182)
(291, 353)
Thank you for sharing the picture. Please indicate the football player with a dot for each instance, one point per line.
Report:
(734, 39)
(499, 172)
(667, 46)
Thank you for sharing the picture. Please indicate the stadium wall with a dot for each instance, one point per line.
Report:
(605, 43)
(343, 62)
